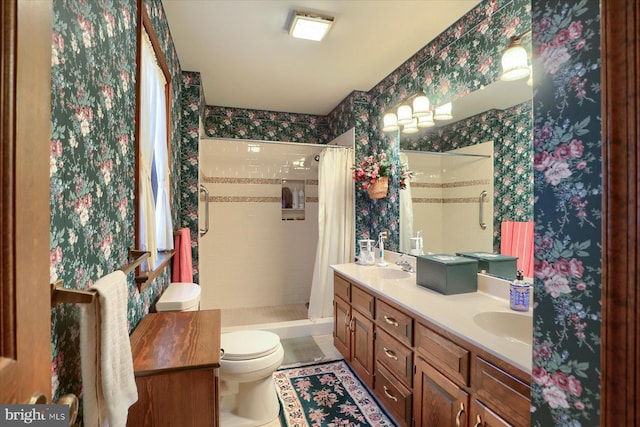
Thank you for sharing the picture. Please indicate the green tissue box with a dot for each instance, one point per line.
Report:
(447, 274)
(497, 265)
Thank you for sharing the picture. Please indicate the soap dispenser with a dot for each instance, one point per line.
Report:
(519, 293)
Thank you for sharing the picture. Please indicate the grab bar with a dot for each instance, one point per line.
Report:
(206, 211)
(483, 224)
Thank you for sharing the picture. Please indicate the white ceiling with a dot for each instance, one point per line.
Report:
(247, 59)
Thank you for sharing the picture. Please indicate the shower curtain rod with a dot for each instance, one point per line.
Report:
(440, 153)
(302, 144)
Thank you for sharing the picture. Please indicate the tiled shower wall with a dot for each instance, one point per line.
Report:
(250, 256)
(447, 191)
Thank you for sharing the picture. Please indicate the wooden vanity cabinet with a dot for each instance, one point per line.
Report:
(481, 416)
(176, 357)
(438, 401)
(507, 396)
(421, 373)
(353, 333)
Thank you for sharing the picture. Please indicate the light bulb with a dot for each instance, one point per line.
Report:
(390, 121)
(443, 112)
(420, 106)
(404, 115)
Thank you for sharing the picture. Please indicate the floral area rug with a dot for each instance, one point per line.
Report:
(328, 394)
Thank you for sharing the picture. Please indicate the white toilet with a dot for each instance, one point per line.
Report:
(247, 392)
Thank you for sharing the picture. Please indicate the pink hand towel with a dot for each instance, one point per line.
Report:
(516, 239)
(182, 262)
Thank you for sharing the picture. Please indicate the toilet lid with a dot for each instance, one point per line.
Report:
(179, 296)
(243, 345)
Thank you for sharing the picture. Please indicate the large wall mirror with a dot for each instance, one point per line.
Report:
(471, 173)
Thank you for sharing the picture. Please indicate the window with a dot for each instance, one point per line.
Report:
(153, 179)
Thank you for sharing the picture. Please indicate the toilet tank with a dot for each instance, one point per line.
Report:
(180, 296)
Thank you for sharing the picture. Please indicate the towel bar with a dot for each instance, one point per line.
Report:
(60, 294)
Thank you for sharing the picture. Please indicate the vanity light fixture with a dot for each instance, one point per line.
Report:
(515, 59)
(530, 79)
(426, 121)
(411, 127)
(412, 113)
(443, 112)
(309, 25)
(390, 123)
(421, 105)
(405, 115)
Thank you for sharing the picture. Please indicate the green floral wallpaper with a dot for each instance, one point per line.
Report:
(222, 122)
(568, 213)
(93, 80)
(192, 101)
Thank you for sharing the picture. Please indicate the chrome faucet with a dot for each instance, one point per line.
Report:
(404, 262)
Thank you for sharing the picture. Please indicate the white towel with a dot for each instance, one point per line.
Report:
(108, 383)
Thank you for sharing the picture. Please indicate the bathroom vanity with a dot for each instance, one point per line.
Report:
(433, 359)
(176, 356)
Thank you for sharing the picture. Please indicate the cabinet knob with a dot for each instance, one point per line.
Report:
(478, 421)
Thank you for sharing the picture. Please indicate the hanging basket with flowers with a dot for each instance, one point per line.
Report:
(373, 172)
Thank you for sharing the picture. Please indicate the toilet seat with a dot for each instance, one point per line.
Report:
(248, 345)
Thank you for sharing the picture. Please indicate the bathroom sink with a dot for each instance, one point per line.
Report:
(511, 326)
(392, 274)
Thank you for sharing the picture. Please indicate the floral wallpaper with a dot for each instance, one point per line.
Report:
(510, 129)
(93, 81)
(223, 122)
(192, 101)
(460, 60)
(567, 211)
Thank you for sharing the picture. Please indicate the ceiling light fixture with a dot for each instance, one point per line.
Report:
(515, 62)
(415, 113)
(309, 26)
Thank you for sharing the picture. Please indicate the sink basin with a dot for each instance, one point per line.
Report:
(392, 274)
(512, 326)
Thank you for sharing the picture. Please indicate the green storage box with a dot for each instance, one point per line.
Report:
(497, 265)
(447, 274)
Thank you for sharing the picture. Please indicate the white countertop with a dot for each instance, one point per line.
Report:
(453, 313)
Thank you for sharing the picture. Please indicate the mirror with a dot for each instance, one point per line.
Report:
(445, 203)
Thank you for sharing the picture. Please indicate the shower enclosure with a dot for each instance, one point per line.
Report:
(256, 262)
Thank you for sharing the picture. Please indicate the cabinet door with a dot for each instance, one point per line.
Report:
(341, 331)
(362, 346)
(437, 400)
(481, 416)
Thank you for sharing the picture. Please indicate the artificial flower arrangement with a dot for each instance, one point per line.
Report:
(370, 169)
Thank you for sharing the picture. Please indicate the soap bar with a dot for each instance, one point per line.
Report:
(447, 274)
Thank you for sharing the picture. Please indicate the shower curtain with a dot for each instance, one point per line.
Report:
(406, 213)
(335, 226)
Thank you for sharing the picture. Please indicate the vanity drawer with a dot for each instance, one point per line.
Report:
(444, 354)
(342, 288)
(395, 322)
(362, 301)
(394, 356)
(394, 396)
(506, 395)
